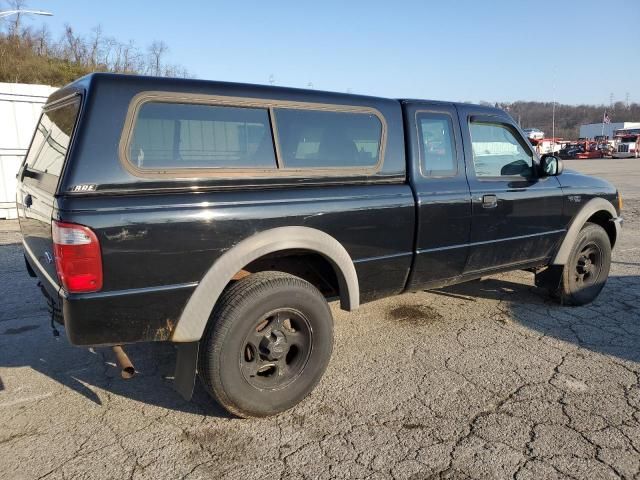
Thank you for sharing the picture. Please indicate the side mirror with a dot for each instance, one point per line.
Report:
(551, 165)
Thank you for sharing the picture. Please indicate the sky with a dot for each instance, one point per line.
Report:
(570, 51)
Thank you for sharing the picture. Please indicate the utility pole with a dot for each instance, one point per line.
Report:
(553, 124)
(611, 100)
(627, 100)
(553, 111)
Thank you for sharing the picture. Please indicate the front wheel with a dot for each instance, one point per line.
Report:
(586, 272)
(267, 344)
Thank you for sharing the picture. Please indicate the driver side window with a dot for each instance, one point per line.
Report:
(497, 152)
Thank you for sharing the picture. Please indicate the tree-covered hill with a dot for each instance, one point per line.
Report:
(568, 117)
(31, 55)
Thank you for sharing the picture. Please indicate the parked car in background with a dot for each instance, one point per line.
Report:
(590, 150)
(570, 151)
(606, 149)
(534, 133)
(224, 217)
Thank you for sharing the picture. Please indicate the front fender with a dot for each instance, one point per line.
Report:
(591, 207)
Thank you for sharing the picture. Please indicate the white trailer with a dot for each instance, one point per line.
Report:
(593, 130)
(20, 106)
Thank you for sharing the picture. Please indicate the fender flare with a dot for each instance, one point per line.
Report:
(592, 206)
(190, 327)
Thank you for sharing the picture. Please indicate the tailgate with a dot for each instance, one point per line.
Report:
(37, 185)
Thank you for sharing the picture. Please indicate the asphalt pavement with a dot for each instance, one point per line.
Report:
(489, 379)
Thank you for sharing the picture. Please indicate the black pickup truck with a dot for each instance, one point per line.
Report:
(223, 217)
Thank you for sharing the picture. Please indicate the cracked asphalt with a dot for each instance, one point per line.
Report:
(484, 380)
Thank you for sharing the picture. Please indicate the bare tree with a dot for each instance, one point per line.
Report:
(175, 71)
(130, 57)
(109, 55)
(157, 50)
(74, 47)
(30, 55)
(42, 40)
(96, 41)
(14, 23)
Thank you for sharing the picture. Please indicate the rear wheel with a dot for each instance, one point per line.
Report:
(268, 342)
(587, 270)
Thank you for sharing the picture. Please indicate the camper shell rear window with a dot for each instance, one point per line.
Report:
(50, 143)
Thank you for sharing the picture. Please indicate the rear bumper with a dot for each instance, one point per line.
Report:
(115, 317)
(124, 316)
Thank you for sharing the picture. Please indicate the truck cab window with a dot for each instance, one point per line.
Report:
(437, 148)
(497, 151)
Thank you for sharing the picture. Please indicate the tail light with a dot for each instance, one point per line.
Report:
(78, 258)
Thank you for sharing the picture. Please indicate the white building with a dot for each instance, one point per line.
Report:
(592, 130)
(20, 106)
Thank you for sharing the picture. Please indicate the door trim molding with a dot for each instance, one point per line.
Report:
(484, 242)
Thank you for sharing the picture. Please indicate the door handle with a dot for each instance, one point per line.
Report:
(27, 200)
(489, 201)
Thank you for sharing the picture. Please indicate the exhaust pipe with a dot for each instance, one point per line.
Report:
(126, 367)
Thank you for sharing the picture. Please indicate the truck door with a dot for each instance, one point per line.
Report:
(517, 215)
(437, 175)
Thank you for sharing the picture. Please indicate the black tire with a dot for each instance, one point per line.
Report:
(267, 344)
(587, 270)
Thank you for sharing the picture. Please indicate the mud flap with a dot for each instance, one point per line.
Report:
(549, 278)
(29, 268)
(184, 378)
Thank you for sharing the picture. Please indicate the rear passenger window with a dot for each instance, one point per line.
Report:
(320, 139)
(175, 135)
(497, 151)
(437, 147)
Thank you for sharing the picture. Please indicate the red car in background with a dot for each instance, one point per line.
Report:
(589, 150)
